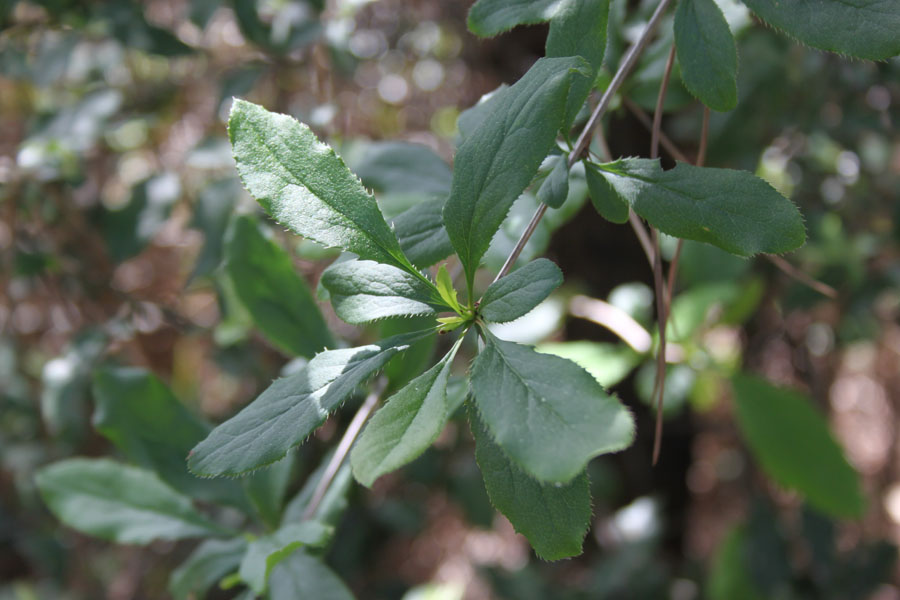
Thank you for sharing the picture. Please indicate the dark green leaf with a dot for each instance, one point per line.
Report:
(548, 415)
(794, 446)
(212, 211)
(554, 518)
(129, 228)
(404, 168)
(555, 188)
(734, 210)
(405, 426)
(608, 203)
(109, 500)
(421, 232)
(363, 291)
(498, 161)
(729, 578)
(305, 186)
(515, 295)
(210, 562)
(707, 53)
(64, 384)
(266, 488)
(489, 17)
(138, 413)
(860, 28)
(290, 409)
(278, 299)
(264, 553)
(305, 576)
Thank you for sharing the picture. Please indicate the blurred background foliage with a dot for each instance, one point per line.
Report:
(119, 246)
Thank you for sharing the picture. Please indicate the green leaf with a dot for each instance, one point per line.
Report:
(555, 188)
(128, 505)
(363, 291)
(65, 381)
(446, 290)
(211, 213)
(128, 229)
(278, 299)
(608, 363)
(860, 28)
(291, 408)
(210, 562)
(729, 578)
(515, 295)
(488, 18)
(554, 518)
(304, 185)
(264, 553)
(140, 415)
(548, 414)
(421, 232)
(405, 426)
(305, 576)
(498, 161)
(707, 53)
(333, 503)
(734, 210)
(608, 203)
(792, 443)
(266, 488)
(404, 168)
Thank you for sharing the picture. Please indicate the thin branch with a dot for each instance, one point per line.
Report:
(704, 139)
(618, 79)
(666, 142)
(660, 102)
(343, 448)
(794, 272)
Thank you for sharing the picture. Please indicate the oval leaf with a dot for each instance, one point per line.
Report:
(707, 53)
(793, 445)
(555, 188)
(734, 210)
(604, 198)
(861, 28)
(515, 295)
(128, 505)
(290, 409)
(548, 415)
(554, 518)
(421, 232)
(490, 17)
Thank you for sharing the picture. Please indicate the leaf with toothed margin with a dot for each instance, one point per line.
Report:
(707, 53)
(518, 293)
(305, 186)
(363, 291)
(554, 518)
(421, 232)
(860, 28)
(734, 210)
(291, 408)
(406, 426)
(548, 415)
(488, 18)
(500, 158)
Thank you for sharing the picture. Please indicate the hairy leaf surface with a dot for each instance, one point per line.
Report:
(734, 210)
(498, 161)
(304, 185)
(280, 302)
(116, 502)
(515, 295)
(290, 409)
(707, 53)
(548, 415)
(554, 518)
(488, 18)
(792, 442)
(860, 28)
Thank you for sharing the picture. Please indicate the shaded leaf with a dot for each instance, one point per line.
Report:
(266, 488)
(421, 232)
(265, 552)
(555, 188)
(404, 168)
(207, 564)
(211, 213)
(606, 201)
(706, 53)
(487, 18)
(305, 576)
(514, 295)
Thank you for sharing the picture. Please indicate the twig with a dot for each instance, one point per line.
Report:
(792, 271)
(618, 79)
(645, 120)
(343, 448)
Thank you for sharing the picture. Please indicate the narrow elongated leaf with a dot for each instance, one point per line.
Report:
(404, 427)
(498, 161)
(548, 415)
(279, 301)
(421, 232)
(488, 18)
(109, 500)
(555, 188)
(305, 576)
(363, 291)
(734, 210)
(290, 409)
(860, 28)
(793, 445)
(305, 186)
(210, 562)
(608, 203)
(554, 518)
(264, 553)
(515, 295)
(140, 415)
(707, 53)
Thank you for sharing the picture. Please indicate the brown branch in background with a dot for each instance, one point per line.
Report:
(802, 277)
(662, 300)
(664, 140)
